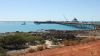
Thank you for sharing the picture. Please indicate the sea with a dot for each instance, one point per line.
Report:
(13, 26)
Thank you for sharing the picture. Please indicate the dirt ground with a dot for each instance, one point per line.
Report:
(89, 49)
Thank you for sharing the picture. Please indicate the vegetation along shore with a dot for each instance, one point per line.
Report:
(16, 43)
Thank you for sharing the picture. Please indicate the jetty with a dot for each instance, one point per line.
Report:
(74, 23)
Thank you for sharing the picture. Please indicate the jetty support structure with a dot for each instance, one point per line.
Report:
(81, 25)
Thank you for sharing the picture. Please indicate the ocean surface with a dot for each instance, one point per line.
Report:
(30, 26)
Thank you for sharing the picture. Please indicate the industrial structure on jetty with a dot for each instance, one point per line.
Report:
(74, 23)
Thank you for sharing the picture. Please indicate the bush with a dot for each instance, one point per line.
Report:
(2, 52)
(30, 50)
(13, 41)
(19, 40)
(40, 48)
(70, 42)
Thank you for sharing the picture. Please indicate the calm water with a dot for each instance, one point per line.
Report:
(30, 26)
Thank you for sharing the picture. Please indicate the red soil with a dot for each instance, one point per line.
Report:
(90, 49)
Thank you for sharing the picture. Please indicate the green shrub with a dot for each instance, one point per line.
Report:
(19, 40)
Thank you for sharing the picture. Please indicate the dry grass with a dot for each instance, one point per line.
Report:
(70, 42)
(40, 48)
(79, 41)
(31, 50)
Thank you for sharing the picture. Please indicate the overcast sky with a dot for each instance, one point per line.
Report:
(33, 10)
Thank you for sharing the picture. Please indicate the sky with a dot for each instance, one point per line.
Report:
(44, 10)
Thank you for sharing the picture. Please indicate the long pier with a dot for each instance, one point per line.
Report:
(82, 25)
